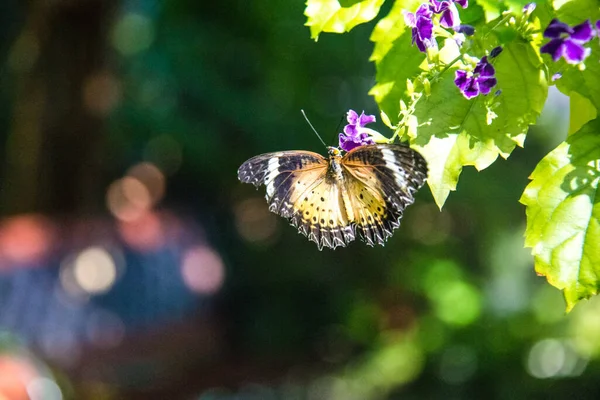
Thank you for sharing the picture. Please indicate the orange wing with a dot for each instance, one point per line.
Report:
(297, 190)
(381, 182)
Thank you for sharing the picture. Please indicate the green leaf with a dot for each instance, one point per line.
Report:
(401, 62)
(563, 215)
(454, 132)
(492, 8)
(330, 16)
(574, 12)
(581, 111)
(586, 82)
(390, 28)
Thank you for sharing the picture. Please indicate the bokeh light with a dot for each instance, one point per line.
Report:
(202, 270)
(146, 233)
(151, 177)
(101, 93)
(132, 34)
(95, 270)
(554, 358)
(454, 300)
(25, 239)
(128, 199)
(15, 374)
(254, 222)
(42, 388)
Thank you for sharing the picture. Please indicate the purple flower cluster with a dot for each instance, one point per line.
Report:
(355, 134)
(568, 41)
(480, 81)
(421, 21)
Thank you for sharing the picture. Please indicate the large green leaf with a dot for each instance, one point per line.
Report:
(390, 28)
(401, 63)
(581, 111)
(330, 16)
(454, 132)
(563, 215)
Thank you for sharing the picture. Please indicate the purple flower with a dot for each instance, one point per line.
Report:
(480, 81)
(422, 27)
(496, 51)
(355, 134)
(568, 42)
(528, 8)
(468, 30)
(449, 17)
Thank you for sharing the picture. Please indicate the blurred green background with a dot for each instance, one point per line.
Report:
(134, 265)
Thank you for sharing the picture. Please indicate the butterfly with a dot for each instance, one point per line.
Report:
(364, 191)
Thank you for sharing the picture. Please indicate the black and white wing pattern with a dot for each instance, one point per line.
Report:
(382, 180)
(329, 201)
(297, 189)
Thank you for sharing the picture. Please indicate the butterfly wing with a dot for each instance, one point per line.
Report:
(381, 181)
(284, 173)
(297, 190)
(319, 213)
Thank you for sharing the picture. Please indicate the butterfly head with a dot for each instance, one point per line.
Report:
(333, 151)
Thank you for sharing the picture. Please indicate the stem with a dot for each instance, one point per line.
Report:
(502, 21)
(449, 65)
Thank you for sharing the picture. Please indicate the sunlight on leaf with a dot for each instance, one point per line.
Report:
(330, 16)
(453, 131)
(389, 28)
(581, 111)
(563, 215)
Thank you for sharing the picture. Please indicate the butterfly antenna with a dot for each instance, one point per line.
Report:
(337, 128)
(313, 128)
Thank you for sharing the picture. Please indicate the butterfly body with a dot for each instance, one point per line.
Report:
(364, 191)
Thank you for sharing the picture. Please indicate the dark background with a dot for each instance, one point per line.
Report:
(133, 264)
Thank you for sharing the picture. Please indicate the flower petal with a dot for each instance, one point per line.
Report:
(472, 89)
(556, 28)
(350, 130)
(424, 10)
(468, 30)
(461, 79)
(529, 8)
(574, 52)
(365, 119)
(583, 32)
(424, 28)
(486, 84)
(495, 51)
(450, 17)
(409, 18)
(487, 70)
(352, 117)
(439, 6)
(462, 3)
(347, 143)
(554, 47)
